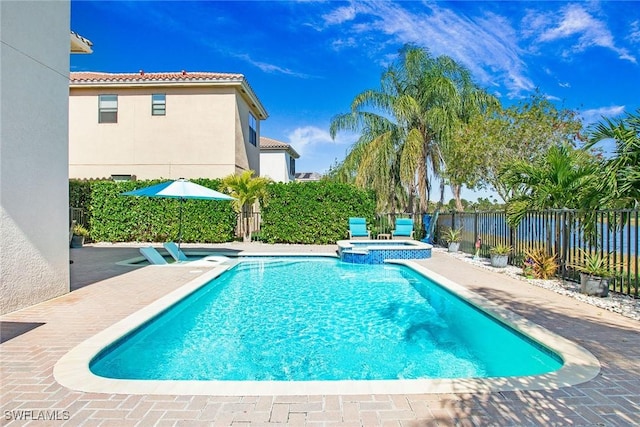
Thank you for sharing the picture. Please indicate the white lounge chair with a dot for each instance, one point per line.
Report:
(153, 256)
(179, 256)
(175, 252)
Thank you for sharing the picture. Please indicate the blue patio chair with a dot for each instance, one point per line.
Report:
(153, 256)
(358, 229)
(404, 229)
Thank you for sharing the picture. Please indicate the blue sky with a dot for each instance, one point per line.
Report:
(306, 60)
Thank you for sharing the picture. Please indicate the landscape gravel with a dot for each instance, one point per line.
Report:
(618, 303)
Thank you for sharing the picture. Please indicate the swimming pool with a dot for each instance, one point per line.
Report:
(246, 345)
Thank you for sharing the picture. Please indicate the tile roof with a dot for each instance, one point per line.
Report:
(273, 144)
(90, 76)
(308, 176)
(182, 78)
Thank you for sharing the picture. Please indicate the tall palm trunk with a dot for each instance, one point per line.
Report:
(423, 181)
(456, 190)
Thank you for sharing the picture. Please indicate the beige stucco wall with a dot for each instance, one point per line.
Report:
(202, 135)
(34, 199)
(247, 154)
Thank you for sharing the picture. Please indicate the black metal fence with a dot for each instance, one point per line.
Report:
(561, 232)
(77, 215)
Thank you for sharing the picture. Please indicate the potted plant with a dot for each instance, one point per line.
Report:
(595, 272)
(453, 236)
(79, 234)
(500, 255)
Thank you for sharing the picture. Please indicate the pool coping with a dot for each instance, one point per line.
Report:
(72, 370)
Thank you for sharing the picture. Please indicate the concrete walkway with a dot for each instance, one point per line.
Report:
(33, 339)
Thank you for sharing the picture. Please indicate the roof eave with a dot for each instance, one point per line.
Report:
(288, 149)
(79, 44)
(253, 100)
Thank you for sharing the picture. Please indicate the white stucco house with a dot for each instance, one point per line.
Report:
(277, 160)
(162, 125)
(34, 178)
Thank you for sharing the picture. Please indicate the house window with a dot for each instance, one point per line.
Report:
(253, 134)
(292, 166)
(107, 108)
(158, 104)
(123, 177)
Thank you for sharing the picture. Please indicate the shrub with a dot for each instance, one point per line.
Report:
(79, 230)
(500, 250)
(116, 218)
(540, 263)
(313, 212)
(452, 235)
(596, 265)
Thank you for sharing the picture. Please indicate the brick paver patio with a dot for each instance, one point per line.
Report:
(33, 339)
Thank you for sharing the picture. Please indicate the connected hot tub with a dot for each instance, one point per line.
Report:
(378, 251)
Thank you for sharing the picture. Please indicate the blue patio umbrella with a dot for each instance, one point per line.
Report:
(180, 189)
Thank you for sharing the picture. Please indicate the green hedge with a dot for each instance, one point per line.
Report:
(116, 218)
(313, 212)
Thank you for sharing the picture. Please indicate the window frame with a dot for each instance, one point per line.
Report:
(253, 130)
(292, 165)
(107, 111)
(159, 108)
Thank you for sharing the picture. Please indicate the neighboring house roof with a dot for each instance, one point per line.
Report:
(181, 78)
(269, 144)
(79, 44)
(308, 176)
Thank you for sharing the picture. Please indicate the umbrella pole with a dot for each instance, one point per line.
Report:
(180, 225)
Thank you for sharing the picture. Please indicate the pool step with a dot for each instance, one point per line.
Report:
(357, 251)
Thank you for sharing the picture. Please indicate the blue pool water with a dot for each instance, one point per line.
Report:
(321, 319)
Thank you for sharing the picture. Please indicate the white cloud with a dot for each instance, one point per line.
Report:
(487, 45)
(573, 22)
(347, 42)
(271, 68)
(306, 138)
(596, 114)
(565, 84)
(340, 15)
(634, 33)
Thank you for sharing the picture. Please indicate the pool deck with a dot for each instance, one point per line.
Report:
(35, 338)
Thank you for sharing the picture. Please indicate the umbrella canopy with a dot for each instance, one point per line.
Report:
(181, 189)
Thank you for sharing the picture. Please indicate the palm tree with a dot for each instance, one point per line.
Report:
(620, 183)
(559, 180)
(421, 101)
(247, 191)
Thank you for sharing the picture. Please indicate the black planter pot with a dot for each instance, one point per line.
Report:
(77, 241)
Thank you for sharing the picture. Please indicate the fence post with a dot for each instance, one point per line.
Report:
(475, 224)
(564, 244)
